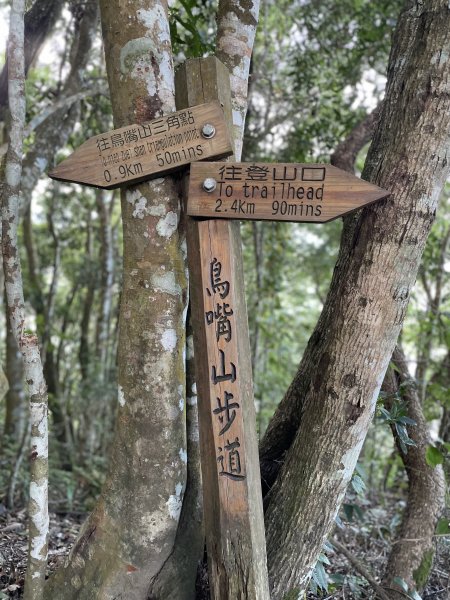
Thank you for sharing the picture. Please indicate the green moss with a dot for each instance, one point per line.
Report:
(422, 572)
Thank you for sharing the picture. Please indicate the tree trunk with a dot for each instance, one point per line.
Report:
(84, 352)
(317, 432)
(27, 343)
(413, 549)
(104, 208)
(15, 415)
(127, 540)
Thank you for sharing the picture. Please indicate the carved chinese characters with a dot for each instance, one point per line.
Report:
(276, 192)
(136, 152)
(224, 373)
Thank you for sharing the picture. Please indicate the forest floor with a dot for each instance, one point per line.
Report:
(367, 543)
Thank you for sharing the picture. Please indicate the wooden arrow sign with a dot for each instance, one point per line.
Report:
(137, 152)
(277, 192)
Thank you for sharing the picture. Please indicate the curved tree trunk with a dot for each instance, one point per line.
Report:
(319, 428)
(128, 538)
(413, 549)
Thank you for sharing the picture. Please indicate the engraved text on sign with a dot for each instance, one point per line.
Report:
(276, 192)
(226, 410)
(134, 153)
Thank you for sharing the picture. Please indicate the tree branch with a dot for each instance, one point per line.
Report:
(236, 28)
(344, 157)
(39, 21)
(65, 102)
(360, 569)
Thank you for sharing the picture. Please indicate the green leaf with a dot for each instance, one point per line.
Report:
(358, 484)
(352, 510)
(320, 577)
(337, 578)
(415, 595)
(433, 456)
(324, 559)
(401, 582)
(443, 527)
(394, 367)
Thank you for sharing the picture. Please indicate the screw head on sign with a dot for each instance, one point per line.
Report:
(209, 185)
(208, 131)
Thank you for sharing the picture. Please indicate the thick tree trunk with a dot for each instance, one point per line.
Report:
(319, 428)
(412, 552)
(127, 540)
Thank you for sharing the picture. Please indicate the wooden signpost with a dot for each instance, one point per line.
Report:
(136, 152)
(221, 191)
(277, 192)
(232, 498)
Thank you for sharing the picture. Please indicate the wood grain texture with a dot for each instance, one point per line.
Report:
(136, 152)
(233, 512)
(277, 192)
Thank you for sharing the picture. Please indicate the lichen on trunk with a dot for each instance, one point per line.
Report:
(131, 533)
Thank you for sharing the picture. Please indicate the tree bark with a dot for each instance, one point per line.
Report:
(27, 343)
(236, 29)
(15, 396)
(318, 430)
(129, 537)
(413, 549)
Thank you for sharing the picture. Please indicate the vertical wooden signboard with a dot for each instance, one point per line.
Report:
(234, 520)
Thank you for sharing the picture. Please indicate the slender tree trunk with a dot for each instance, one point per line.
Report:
(49, 308)
(41, 306)
(84, 353)
(104, 209)
(38, 502)
(319, 428)
(15, 415)
(37, 506)
(413, 549)
(258, 245)
(127, 540)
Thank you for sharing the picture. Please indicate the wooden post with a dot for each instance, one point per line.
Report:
(232, 498)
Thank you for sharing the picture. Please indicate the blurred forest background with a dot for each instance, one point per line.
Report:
(318, 71)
